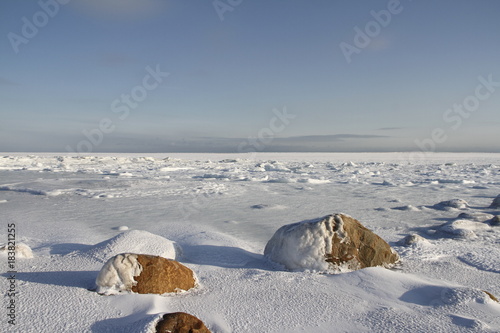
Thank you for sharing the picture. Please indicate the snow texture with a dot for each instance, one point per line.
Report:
(61, 204)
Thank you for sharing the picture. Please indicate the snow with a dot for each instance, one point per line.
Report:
(72, 209)
(303, 245)
(134, 241)
(21, 250)
(117, 275)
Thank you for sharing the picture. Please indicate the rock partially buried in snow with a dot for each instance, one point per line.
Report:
(496, 202)
(454, 203)
(334, 243)
(413, 239)
(463, 228)
(21, 250)
(180, 322)
(479, 217)
(143, 274)
(493, 298)
(160, 276)
(495, 222)
(134, 241)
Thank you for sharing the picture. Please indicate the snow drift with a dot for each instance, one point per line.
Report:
(134, 241)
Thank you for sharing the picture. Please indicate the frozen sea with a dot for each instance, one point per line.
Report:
(221, 209)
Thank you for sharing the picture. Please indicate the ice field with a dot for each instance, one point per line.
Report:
(219, 210)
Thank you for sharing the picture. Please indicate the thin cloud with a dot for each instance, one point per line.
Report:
(390, 128)
(334, 137)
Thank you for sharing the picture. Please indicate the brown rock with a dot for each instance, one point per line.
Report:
(160, 275)
(180, 322)
(491, 296)
(359, 247)
(334, 242)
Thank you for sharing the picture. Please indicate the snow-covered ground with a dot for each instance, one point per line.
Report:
(218, 211)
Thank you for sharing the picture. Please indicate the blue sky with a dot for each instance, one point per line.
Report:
(241, 75)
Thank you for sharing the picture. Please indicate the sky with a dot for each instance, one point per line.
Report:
(243, 76)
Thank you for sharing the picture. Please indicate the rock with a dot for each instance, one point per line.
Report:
(496, 202)
(454, 203)
(180, 322)
(491, 296)
(21, 250)
(160, 275)
(413, 239)
(143, 274)
(478, 217)
(463, 228)
(495, 222)
(332, 243)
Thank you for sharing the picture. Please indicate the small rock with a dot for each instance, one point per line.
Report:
(478, 217)
(413, 239)
(180, 322)
(496, 202)
(463, 228)
(21, 250)
(259, 206)
(495, 222)
(454, 203)
(491, 296)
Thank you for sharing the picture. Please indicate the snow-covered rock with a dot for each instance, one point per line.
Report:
(495, 221)
(117, 274)
(134, 241)
(476, 216)
(408, 208)
(413, 240)
(496, 202)
(450, 204)
(143, 274)
(22, 251)
(463, 228)
(333, 243)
